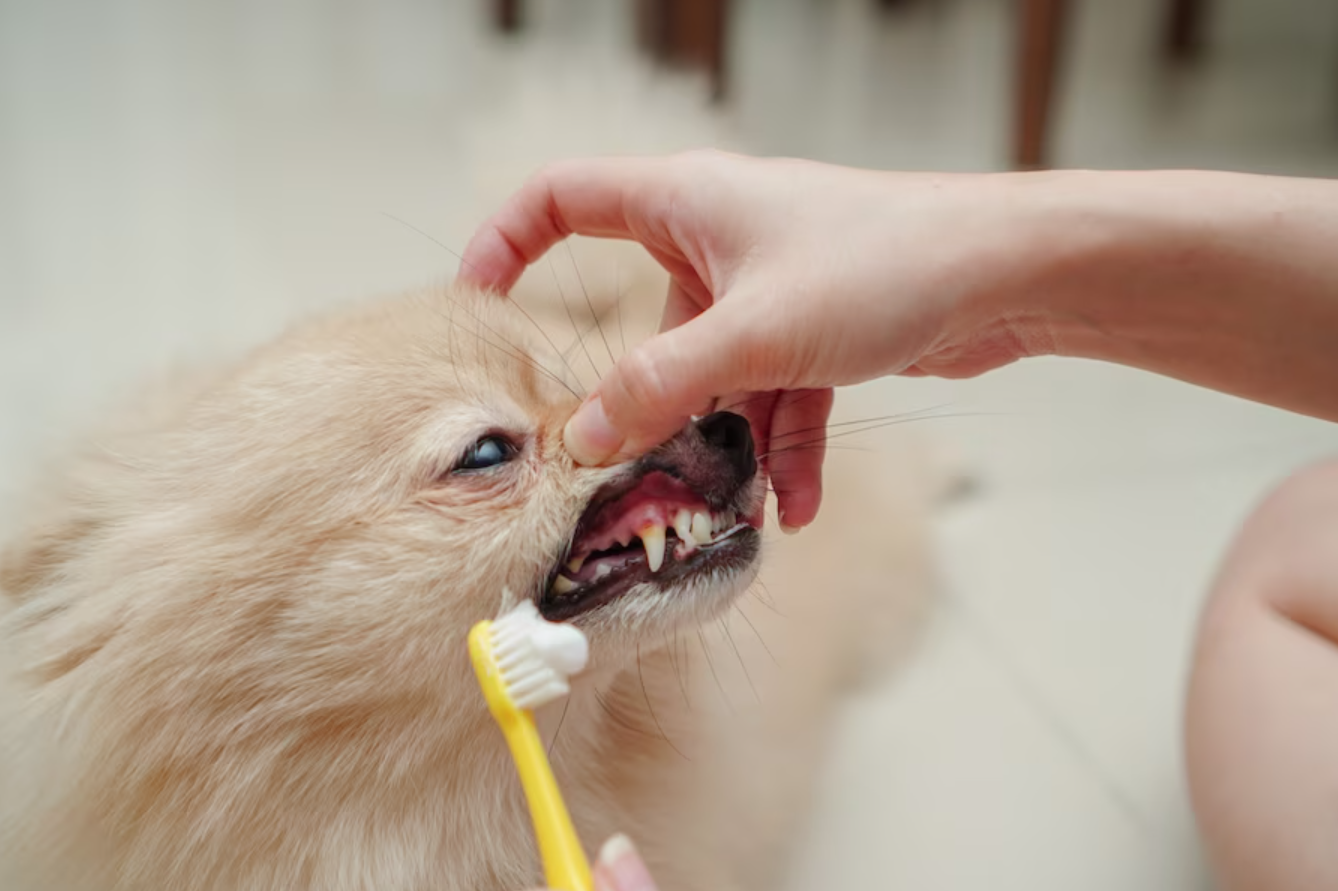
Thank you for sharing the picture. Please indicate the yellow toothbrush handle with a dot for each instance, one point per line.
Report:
(565, 866)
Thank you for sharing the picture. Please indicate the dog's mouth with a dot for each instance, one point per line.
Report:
(654, 529)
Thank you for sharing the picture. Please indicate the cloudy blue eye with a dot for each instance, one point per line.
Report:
(490, 451)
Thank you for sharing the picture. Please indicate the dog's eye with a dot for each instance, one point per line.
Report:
(490, 451)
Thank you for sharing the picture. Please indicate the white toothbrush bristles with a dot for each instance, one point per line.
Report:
(535, 656)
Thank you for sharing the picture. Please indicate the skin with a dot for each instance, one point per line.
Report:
(791, 277)
(619, 867)
(1262, 726)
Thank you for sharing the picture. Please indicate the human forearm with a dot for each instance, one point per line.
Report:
(1225, 280)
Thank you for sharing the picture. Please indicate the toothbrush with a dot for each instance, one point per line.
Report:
(523, 662)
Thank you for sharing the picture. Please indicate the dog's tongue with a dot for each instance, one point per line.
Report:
(595, 568)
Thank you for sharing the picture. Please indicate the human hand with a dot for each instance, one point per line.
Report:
(620, 867)
(787, 278)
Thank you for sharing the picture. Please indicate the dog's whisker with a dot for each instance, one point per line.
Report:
(585, 333)
(769, 601)
(618, 719)
(544, 333)
(761, 640)
(511, 349)
(641, 676)
(710, 663)
(592, 327)
(562, 295)
(769, 394)
(742, 402)
(454, 253)
(487, 365)
(841, 424)
(810, 447)
(685, 660)
(673, 662)
(872, 426)
(439, 243)
(738, 654)
(561, 720)
(507, 351)
(589, 304)
(618, 304)
(452, 344)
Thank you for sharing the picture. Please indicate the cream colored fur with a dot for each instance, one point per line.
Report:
(233, 635)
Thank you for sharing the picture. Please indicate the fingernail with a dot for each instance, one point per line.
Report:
(589, 437)
(786, 528)
(620, 868)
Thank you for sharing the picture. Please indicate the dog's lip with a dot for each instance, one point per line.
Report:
(617, 514)
(612, 529)
(739, 544)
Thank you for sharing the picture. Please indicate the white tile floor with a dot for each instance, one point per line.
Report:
(178, 177)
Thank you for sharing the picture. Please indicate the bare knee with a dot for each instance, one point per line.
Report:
(1262, 717)
(1286, 556)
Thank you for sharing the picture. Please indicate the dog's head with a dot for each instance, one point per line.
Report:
(403, 468)
(330, 517)
(253, 606)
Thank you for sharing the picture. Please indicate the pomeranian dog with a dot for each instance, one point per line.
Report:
(233, 635)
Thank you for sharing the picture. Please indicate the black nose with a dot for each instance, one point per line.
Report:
(731, 434)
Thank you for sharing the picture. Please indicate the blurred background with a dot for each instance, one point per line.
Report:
(179, 178)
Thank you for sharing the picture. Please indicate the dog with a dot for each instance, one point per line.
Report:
(233, 632)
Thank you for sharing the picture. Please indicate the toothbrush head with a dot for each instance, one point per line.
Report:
(524, 661)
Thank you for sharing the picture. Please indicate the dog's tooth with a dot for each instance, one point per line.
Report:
(575, 564)
(683, 525)
(562, 584)
(652, 538)
(701, 528)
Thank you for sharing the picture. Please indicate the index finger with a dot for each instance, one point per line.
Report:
(602, 197)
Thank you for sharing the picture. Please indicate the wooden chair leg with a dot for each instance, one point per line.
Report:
(717, 43)
(1042, 27)
(654, 24)
(1185, 23)
(691, 33)
(506, 15)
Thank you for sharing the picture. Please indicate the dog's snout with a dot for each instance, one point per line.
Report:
(731, 434)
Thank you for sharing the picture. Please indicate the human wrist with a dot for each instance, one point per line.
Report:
(1097, 264)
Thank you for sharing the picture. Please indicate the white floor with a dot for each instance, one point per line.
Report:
(176, 178)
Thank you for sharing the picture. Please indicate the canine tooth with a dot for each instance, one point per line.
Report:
(701, 528)
(683, 525)
(575, 564)
(652, 538)
(562, 584)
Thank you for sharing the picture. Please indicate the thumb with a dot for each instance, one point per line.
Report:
(651, 392)
(620, 868)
